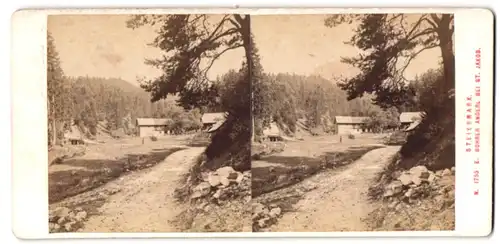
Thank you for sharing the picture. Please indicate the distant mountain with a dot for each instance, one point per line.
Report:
(123, 85)
(333, 70)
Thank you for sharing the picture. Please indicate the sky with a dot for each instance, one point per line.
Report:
(102, 45)
(304, 45)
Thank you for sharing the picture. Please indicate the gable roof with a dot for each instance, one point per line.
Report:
(408, 117)
(152, 121)
(413, 125)
(349, 119)
(212, 118)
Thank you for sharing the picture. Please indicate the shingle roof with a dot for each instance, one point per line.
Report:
(152, 121)
(349, 120)
(408, 117)
(211, 118)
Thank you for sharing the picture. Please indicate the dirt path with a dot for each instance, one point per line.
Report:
(340, 202)
(145, 201)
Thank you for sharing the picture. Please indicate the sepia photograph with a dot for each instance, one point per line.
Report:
(149, 123)
(252, 123)
(355, 123)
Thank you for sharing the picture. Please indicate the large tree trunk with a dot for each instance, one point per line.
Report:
(446, 45)
(248, 45)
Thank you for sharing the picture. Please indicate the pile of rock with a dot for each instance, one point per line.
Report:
(222, 184)
(263, 216)
(415, 200)
(63, 219)
(419, 182)
(220, 203)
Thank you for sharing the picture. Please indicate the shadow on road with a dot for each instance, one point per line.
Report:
(94, 173)
(295, 169)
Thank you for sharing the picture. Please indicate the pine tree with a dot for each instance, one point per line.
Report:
(57, 108)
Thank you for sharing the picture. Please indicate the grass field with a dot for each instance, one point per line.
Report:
(104, 162)
(302, 159)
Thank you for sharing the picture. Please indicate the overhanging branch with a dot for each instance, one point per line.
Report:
(217, 56)
(414, 55)
(434, 25)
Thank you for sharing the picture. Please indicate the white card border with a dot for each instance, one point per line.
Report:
(28, 105)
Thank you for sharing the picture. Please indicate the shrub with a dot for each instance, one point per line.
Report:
(432, 143)
(230, 145)
(351, 136)
(153, 138)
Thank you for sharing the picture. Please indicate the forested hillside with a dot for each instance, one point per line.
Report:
(86, 101)
(290, 97)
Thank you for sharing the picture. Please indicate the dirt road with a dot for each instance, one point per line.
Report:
(340, 202)
(145, 201)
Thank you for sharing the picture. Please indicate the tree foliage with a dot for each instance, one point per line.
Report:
(388, 43)
(89, 100)
(383, 120)
(191, 44)
(434, 138)
(230, 145)
(426, 94)
(286, 98)
(57, 94)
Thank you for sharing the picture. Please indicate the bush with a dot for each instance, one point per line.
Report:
(351, 136)
(432, 143)
(230, 145)
(153, 138)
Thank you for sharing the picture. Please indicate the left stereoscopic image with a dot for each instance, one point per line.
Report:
(149, 123)
(251, 123)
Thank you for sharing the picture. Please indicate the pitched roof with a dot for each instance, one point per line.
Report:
(413, 125)
(211, 118)
(349, 120)
(408, 117)
(152, 121)
(216, 126)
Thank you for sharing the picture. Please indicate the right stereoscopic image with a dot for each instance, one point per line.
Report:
(353, 122)
(241, 123)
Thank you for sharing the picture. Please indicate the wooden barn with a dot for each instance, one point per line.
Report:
(215, 127)
(210, 119)
(346, 125)
(407, 118)
(151, 127)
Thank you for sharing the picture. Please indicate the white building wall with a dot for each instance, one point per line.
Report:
(346, 129)
(147, 131)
